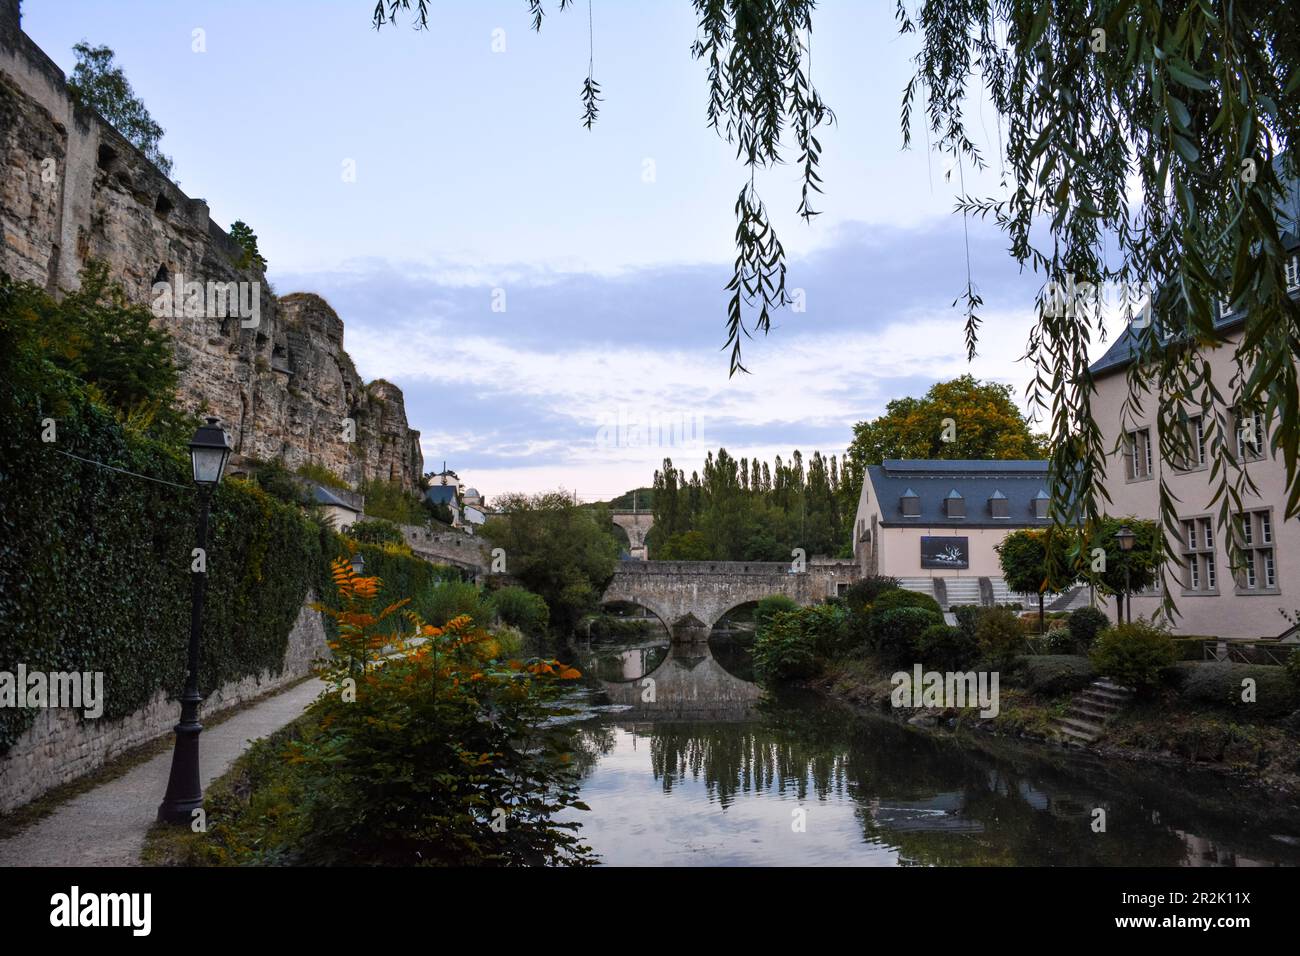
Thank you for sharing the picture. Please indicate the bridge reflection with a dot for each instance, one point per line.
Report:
(689, 684)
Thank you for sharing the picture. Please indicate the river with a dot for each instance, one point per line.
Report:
(712, 771)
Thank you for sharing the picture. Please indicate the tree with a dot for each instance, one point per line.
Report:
(557, 549)
(684, 546)
(1035, 561)
(1143, 148)
(1113, 571)
(99, 83)
(243, 234)
(743, 510)
(97, 334)
(985, 424)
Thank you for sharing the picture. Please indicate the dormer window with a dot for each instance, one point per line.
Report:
(955, 504)
(910, 504)
(1040, 504)
(999, 507)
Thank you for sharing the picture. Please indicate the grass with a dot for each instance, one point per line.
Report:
(250, 808)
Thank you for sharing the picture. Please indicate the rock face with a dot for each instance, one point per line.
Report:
(273, 369)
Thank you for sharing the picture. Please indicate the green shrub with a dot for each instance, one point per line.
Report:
(968, 616)
(278, 482)
(785, 649)
(1292, 669)
(322, 476)
(389, 500)
(945, 647)
(1000, 636)
(897, 598)
(1059, 640)
(402, 573)
(1133, 654)
(1220, 684)
(1085, 624)
(895, 633)
(510, 640)
(450, 599)
(520, 608)
(865, 590)
(827, 625)
(1189, 648)
(376, 531)
(1050, 675)
(770, 606)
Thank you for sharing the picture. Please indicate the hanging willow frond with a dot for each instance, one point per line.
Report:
(590, 97)
(1153, 130)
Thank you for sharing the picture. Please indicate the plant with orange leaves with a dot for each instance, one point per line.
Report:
(363, 631)
(441, 755)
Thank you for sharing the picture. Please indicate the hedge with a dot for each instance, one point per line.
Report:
(1220, 684)
(95, 564)
(892, 600)
(1050, 675)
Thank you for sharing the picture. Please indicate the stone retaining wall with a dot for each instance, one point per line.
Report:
(61, 746)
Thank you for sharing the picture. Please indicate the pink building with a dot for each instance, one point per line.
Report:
(935, 525)
(1213, 598)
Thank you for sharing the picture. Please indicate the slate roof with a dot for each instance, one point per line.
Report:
(933, 482)
(324, 496)
(1122, 350)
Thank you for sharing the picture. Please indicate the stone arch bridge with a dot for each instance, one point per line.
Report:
(707, 590)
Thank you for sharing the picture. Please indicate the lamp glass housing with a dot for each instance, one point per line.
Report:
(209, 451)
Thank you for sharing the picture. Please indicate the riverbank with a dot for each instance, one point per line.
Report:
(1261, 754)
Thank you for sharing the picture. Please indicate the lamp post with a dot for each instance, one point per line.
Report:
(1126, 538)
(358, 564)
(209, 451)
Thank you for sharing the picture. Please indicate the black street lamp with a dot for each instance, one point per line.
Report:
(358, 564)
(1126, 538)
(209, 451)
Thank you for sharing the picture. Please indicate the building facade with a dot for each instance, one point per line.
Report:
(1213, 598)
(936, 524)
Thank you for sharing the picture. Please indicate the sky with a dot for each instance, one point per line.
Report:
(549, 298)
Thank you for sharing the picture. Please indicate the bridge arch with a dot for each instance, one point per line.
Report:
(709, 589)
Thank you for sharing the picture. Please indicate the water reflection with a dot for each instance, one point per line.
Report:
(711, 772)
(619, 663)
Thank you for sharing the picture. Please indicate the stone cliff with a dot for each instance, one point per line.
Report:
(74, 189)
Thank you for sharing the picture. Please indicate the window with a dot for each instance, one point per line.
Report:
(999, 507)
(1040, 504)
(1138, 455)
(910, 504)
(1258, 570)
(1225, 306)
(1199, 575)
(955, 504)
(1196, 458)
(1250, 435)
(1293, 273)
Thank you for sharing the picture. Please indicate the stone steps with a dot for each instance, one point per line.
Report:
(1090, 711)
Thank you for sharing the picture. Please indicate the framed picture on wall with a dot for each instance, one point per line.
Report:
(945, 553)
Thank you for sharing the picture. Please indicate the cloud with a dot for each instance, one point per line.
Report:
(590, 380)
